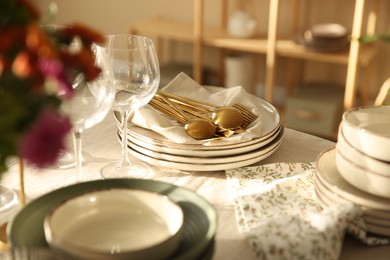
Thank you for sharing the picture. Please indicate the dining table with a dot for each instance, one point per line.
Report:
(101, 146)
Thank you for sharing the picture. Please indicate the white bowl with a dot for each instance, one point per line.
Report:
(328, 31)
(115, 224)
(359, 158)
(361, 177)
(368, 130)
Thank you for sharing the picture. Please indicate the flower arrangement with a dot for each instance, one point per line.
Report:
(36, 71)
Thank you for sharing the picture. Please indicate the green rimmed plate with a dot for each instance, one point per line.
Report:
(200, 218)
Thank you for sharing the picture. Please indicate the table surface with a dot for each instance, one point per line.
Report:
(100, 146)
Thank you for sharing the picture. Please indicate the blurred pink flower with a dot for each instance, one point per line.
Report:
(46, 138)
(55, 69)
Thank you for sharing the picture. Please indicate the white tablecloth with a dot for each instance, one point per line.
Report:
(101, 146)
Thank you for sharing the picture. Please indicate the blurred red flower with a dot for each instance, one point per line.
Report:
(45, 138)
(37, 68)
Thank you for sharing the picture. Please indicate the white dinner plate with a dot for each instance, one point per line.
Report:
(328, 174)
(25, 231)
(204, 153)
(378, 229)
(373, 225)
(203, 167)
(332, 199)
(151, 137)
(381, 214)
(140, 223)
(209, 160)
(270, 123)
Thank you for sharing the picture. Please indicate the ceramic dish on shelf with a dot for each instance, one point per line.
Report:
(328, 31)
(325, 37)
(200, 218)
(328, 174)
(305, 41)
(367, 129)
(115, 223)
(205, 164)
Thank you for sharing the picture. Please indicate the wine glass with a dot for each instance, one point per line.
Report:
(66, 159)
(136, 78)
(89, 104)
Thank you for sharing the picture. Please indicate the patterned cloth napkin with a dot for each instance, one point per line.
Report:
(277, 209)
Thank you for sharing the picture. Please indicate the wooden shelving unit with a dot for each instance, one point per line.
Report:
(270, 45)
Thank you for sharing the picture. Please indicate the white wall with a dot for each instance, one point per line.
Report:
(115, 16)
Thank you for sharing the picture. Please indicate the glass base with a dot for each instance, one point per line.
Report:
(8, 198)
(135, 169)
(66, 160)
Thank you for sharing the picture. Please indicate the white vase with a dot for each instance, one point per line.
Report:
(239, 71)
(242, 23)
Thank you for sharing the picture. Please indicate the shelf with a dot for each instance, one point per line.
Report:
(216, 37)
(288, 48)
(271, 45)
(212, 36)
(161, 27)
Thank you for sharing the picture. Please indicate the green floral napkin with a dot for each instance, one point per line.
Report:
(277, 209)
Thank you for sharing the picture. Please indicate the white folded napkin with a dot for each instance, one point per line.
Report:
(277, 209)
(183, 85)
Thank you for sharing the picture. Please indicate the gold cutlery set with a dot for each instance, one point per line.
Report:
(202, 120)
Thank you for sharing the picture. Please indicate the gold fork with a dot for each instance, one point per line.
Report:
(205, 107)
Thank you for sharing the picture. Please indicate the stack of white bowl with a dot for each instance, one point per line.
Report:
(357, 170)
(362, 158)
(363, 149)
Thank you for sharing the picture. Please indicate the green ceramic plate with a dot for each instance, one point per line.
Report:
(200, 218)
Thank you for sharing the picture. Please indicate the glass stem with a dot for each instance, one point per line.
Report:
(78, 153)
(125, 116)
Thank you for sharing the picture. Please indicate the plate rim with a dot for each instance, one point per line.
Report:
(188, 151)
(267, 107)
(369, 212)
(373, 227)
(357, 196)
(49, 200)
(208, 160)
(167, 143)
(202, 167)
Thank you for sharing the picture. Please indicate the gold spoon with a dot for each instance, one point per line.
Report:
(224, 117)
(227, 117)
(198, 128)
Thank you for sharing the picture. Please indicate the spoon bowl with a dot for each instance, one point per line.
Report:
(227, 117)
(200, 129)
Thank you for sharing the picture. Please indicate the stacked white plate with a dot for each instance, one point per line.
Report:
(363, 149)
(157, 150)
(332, 188)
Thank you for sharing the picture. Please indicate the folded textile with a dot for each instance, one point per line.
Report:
(183, 85)
(277, 209)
